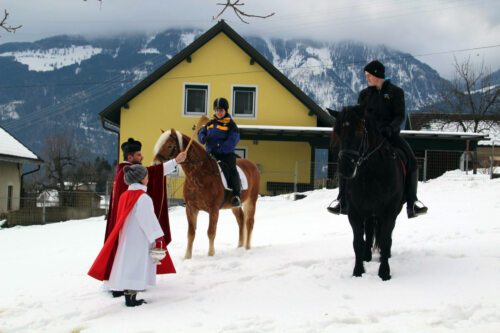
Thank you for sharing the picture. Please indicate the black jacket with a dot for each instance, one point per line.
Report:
(386, 105)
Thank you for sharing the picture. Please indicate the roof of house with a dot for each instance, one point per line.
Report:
(112, 112)
(12, 150)
(299, 133)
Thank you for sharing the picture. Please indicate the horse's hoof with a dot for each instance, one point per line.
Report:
(385, 277)
(384, 272)
(358, 271)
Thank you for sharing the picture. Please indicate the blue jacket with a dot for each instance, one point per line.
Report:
(220, 136)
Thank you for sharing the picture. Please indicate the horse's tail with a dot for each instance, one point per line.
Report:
(372, 232)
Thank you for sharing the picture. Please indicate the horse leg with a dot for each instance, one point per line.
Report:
(358, 243)
(369, 233)
(212, 229)
(192, 216)
(385, 242)
(238, 213)
(249, 213)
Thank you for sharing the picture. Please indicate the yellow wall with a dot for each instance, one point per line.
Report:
(220, 64)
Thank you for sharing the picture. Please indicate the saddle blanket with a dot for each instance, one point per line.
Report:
(243, 178)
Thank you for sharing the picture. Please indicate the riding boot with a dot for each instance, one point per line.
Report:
(412, 209)
(117, 293)
(236, 186)
(341, 206)
(130, 298)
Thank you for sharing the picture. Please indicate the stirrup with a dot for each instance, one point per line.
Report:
(414, 210)
(337, 209)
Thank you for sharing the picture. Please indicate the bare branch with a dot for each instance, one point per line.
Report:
(238, 11)
(5, 26)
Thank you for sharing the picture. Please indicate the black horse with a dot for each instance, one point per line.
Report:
(374, 176)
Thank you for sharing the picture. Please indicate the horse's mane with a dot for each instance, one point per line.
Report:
(163, 138)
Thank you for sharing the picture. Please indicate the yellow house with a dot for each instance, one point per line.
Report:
(272, 113)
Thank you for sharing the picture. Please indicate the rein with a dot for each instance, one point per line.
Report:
(361, 157)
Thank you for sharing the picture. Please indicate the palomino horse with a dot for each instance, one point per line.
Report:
(374, 178)
(203, 189)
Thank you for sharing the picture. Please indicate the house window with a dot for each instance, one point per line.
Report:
(241, 152)
(244, 101)
(195, 99)
(10, 190)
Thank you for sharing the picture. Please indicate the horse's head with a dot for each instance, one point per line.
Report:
(168, 146)
(350, 134)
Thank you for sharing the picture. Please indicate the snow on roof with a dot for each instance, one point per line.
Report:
(10, 146)
(286, 128)
(456, 134)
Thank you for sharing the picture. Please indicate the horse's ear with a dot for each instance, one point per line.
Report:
(333, 113)
(162, 131)
(172, 131)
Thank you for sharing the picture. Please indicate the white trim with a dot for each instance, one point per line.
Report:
(245, 149)
(183, 106)
(256, 100)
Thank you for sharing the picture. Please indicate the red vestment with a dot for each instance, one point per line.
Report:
(101, 268)
(158, 193)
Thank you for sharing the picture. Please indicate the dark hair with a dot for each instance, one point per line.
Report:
(129, 147)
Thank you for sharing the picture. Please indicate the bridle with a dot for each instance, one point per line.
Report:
(360, 156)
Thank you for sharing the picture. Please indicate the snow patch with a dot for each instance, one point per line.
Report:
(8, 111)
(187, 38)
(150, 50)
(54, 58)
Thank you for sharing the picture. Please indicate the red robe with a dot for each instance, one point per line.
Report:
(101, 268)
(158, 193)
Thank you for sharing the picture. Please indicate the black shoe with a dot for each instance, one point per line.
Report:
(130, 300)
(413, 210)
(117, 293)
(235, 201)
(338, 209)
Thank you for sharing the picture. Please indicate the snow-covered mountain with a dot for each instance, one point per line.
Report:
(63, 82)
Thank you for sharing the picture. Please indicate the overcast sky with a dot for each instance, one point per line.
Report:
(418, 27)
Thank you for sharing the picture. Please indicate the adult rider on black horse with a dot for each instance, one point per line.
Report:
(386, 104)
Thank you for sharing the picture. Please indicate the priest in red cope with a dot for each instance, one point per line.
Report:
(156, 189)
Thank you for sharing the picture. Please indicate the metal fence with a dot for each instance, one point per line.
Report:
(54, 206)
(287, 184)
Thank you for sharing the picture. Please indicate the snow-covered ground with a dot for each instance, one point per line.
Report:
(297, 278)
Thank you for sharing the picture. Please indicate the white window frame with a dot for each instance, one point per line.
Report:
(234, 87)
(184, 100)
(241, 149)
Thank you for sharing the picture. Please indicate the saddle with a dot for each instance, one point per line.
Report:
(400, 155)
(243, 177)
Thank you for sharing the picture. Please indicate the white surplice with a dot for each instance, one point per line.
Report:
(133, 267)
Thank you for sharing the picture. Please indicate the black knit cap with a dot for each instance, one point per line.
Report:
(376, 68)
(221, 103)
(134, 173)
(131, 146)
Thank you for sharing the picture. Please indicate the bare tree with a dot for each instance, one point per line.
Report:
(234, 5)
(472, 98)
(61, 156)
(4, 25)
